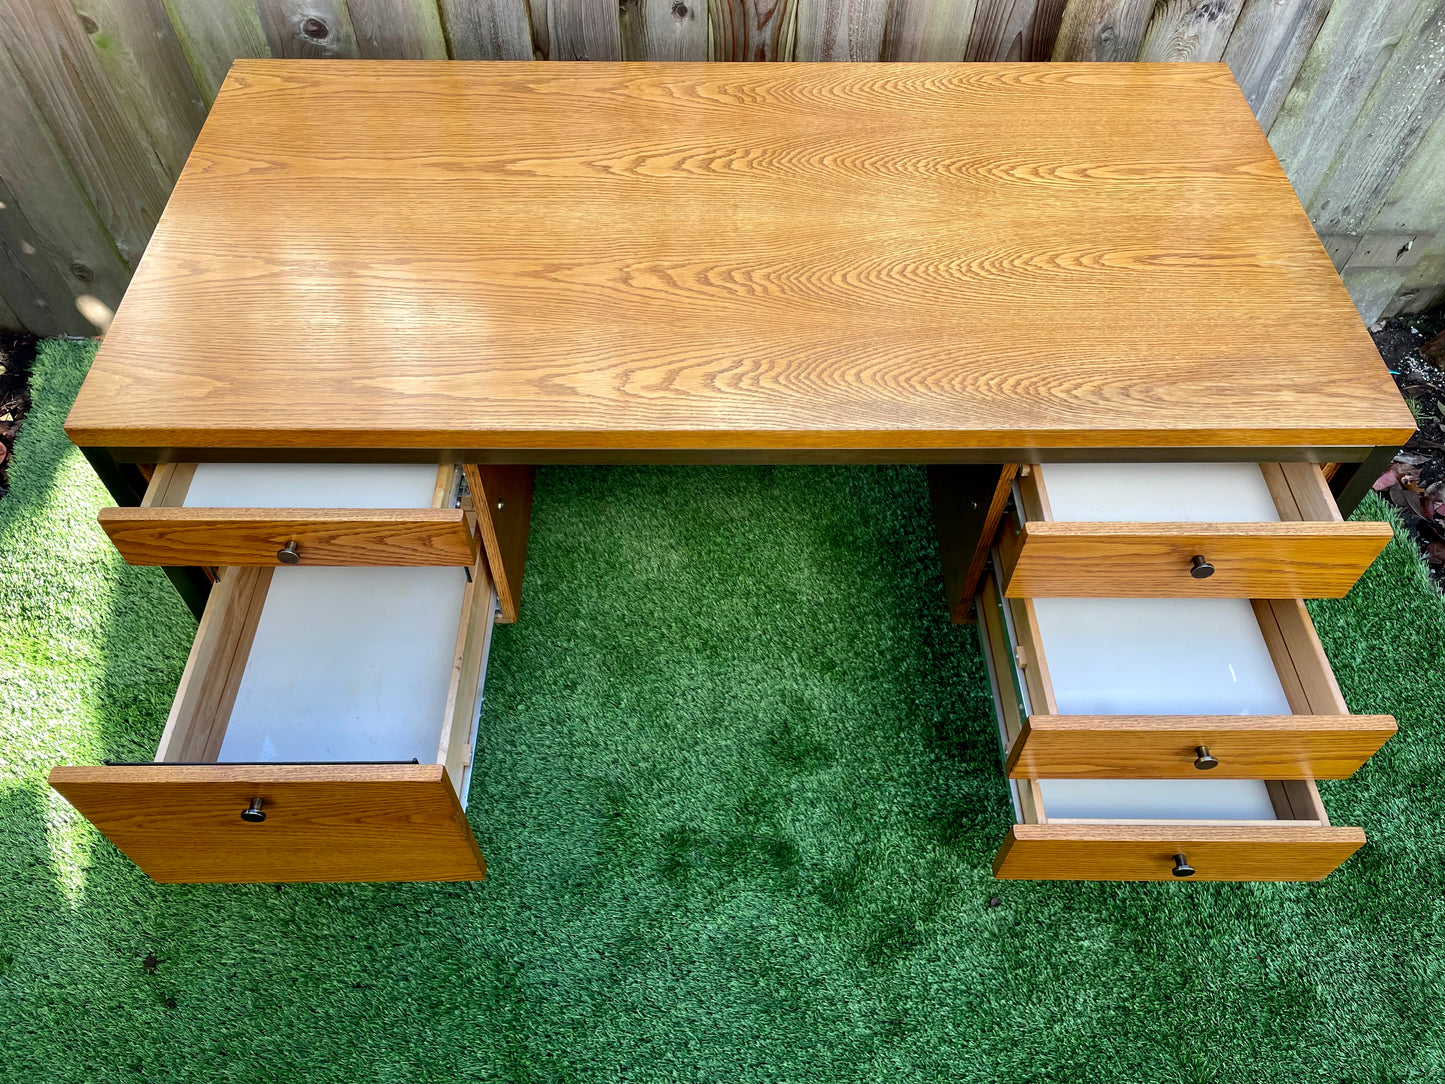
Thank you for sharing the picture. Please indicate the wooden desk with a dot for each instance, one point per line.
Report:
(554, 263)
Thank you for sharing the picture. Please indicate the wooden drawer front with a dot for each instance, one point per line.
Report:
(320, 536)
(1281, 538)
(1169, 746)
(323, 822)
(1069, 852)
(1250, 560)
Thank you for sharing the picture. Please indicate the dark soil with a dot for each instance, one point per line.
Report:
(1414, 349)
(17, 353)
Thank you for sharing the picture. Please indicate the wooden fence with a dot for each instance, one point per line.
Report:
(100, 100)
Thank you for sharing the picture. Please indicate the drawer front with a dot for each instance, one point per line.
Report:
(257, 537)
(1250, 560)
(1196, 747)
(1071, 852)
(323, 822)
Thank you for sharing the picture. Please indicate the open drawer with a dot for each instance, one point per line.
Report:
(1138, 730)
(273, 514)
(1186, 530)
(323, 731)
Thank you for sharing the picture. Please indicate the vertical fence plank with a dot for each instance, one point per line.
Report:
(1189, 30)
(752, 30)
(1406, 99)
(9, 320)
(212, 33)
(487, 29)
(840, 29)
(307, 29)
(1352, 48)
(576, 29)
(1102, 30)
(46, 211)
(1270, 41)
(122, 176)
(1014, 29)
(137, 51)
(1416, 202)
(663, 29)
(928, 30)
(398, 29)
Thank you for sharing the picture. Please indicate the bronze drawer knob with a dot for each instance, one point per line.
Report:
(1199, 568)
(289, 554)
(1202, 759)
(1181, 867)
(253, 813)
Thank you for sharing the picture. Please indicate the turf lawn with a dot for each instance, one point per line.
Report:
(738, 787)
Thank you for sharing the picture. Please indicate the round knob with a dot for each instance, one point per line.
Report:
(1202, 760)
(1181, 867)
(1199, 568)
(253, 813)
(289, 554)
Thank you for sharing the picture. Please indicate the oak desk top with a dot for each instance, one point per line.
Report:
(601, 262)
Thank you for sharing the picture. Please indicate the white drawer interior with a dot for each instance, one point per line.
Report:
(312, 485)
(1159, 492)
(348, 664)
(1157, 799)
(1158, 656)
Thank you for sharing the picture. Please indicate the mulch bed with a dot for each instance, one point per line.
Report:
(1414, 349)
(17, 353)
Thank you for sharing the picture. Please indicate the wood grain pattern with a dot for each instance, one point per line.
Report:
(1053, 852)
(1014, 30)
(752, 30)
(579, 294)
(928, 30)
(1142, 560)
(487, 29)
(182, 824)
(1189, 30)
(1102, 30)
(202, 706)
(502, 499)
(967, 504)
(1163, 746)
(324, 536)
(469, 666)
(1270, 41)
(1299, 657)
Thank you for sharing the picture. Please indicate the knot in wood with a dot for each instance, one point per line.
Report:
(314, 28)
(679, 11)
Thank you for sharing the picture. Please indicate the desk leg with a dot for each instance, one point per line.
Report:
(1350, 486)
(128, 486)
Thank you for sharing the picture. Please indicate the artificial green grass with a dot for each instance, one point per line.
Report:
(738, 786)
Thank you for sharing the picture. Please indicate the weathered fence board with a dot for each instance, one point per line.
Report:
(487, 29)
(1014, 29)
(841, 29)
(1270, 41)
(1189, 30)
(110, 94)
(752, 30)
(928, 30)
(46, 211)
(664, 29)
(576, 29)
(1102, 30)
(212, 33)
(308, 29)
(398, 29)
